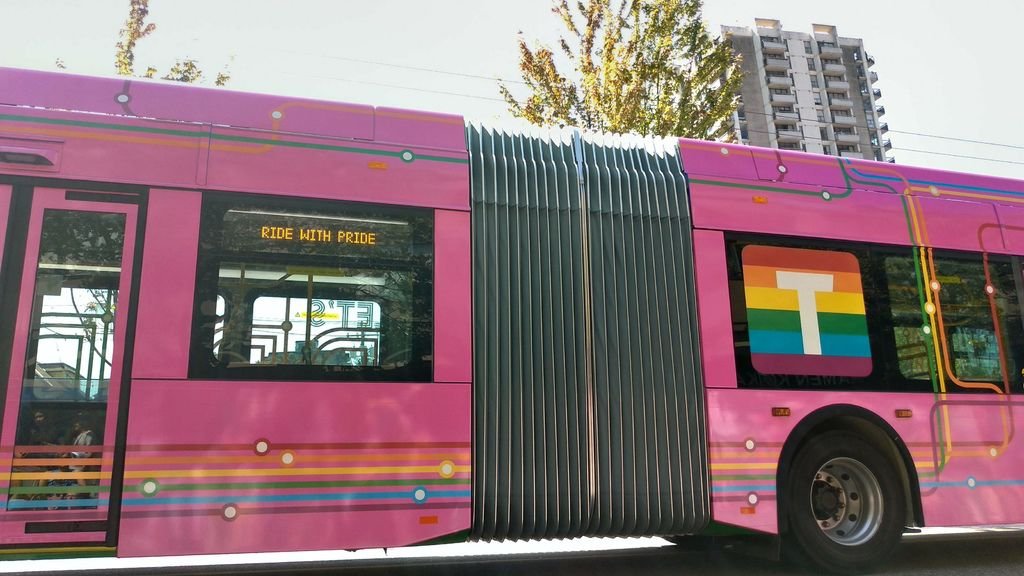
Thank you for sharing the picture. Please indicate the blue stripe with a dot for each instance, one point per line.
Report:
(938, 184)
(845, 345)
(776, 342)
(229, 499)
(56, 504)
(744, 488)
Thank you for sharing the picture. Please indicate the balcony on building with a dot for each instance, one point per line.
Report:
(841, 103)
(881, 112)
(890, 159)
(884, 127)
(837, 86)
(834, 68)
(787, 117)
(887, 144)
(779, 81)
(847, 138)
(829, 51)
(788, 135)
(783, 99)
(873, 76)
(772, 45)
(776, 64)
(844, 120)
(870, 59)
(877, 93)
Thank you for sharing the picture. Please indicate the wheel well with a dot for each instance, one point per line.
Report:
(871, 428)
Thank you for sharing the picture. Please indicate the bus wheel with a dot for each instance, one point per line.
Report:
(844, 503)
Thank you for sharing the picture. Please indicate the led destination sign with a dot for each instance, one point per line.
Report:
(314, 234)
(317, 235)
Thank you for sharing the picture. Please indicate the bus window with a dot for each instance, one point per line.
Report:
(912, 343)
(980, 319)
(315, 291)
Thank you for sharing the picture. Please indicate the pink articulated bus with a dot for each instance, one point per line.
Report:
(243, 323)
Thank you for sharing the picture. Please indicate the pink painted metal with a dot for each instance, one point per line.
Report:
(168, 135)
(12, 522)
(716, 343)
(305, 487)
(168, 273)
(453, 332)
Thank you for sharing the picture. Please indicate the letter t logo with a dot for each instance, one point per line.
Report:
(806, 285)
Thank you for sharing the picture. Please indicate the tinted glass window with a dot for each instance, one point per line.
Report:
(313, 291)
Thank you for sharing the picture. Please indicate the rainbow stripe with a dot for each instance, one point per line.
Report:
(805, 312)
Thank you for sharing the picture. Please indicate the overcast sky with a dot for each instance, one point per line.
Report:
(946, 68)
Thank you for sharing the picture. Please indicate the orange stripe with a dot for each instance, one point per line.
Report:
(763, 276)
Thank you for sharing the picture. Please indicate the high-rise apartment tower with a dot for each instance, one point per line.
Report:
(812, 92)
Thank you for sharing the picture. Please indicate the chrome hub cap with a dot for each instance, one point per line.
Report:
(846, 500)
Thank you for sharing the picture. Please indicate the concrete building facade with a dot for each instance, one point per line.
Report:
(812, 92)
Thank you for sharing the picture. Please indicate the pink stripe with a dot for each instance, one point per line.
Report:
(799, 364)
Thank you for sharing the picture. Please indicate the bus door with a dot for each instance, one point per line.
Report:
(66, 361)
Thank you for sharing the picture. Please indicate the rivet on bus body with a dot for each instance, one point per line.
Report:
(287, 458)
(230, 512)
(123, 98)
(276, 115)
(929, 308)
(262, 447)
(782, 169)
(750, 444)
(752, 498)
(825, 194)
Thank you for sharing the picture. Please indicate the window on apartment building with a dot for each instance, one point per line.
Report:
(871, 122)
(821, 115)
(810, 64)
(807, 47)
(824, 133)
(814, 80)
(780, 91)
(817, 98)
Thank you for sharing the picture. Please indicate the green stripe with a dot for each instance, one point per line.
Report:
(833, 323)
(789, 321)
(310, 484)
(781, 320)
(228, 138)
(58, 555)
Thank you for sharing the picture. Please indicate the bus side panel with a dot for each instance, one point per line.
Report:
(453, 332)
(308, 167)
(716, 338)
(113, 149)
(168, 271)
(227, 467)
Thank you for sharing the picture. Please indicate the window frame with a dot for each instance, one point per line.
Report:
(418, 262)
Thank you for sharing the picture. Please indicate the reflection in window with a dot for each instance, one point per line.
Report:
(69, 361)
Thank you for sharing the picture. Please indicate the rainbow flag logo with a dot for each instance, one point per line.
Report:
(805, 312)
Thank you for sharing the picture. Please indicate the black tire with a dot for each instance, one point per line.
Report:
(844, 504)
